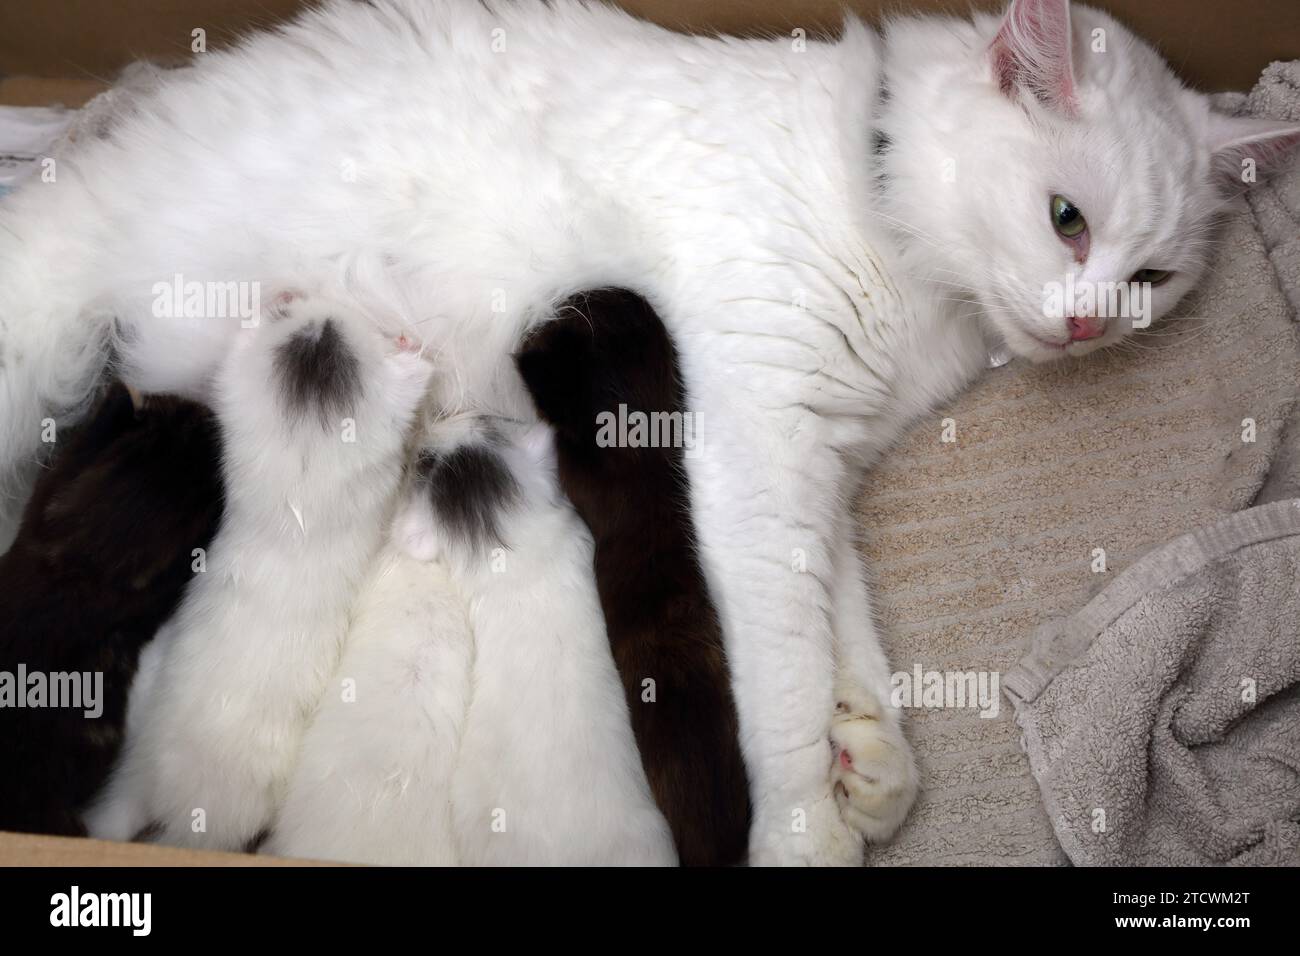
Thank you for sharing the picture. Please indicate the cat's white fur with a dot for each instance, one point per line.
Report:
(216, 716)
(548, 771)
(477, 717)
(466, 164)
(970, 178)
(372, 782)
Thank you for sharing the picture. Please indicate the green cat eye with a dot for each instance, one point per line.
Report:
(1066, 218)
(1153, 276)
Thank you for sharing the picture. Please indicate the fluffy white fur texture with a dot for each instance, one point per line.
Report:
(373, 779)
(224, 694)
(548, 770)
(476, 716)
(538, 149)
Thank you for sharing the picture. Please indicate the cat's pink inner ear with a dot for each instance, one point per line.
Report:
(1242, 146)
(1032, 52)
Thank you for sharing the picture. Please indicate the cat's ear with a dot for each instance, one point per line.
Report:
(1032, 51)
(1244, 147)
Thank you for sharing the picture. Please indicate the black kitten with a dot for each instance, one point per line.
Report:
(608, 348)
(102, 558)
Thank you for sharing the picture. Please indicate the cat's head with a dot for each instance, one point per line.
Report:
(1042, 163)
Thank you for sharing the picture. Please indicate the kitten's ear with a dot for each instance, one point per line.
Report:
(1244, 147)
(1032, 51)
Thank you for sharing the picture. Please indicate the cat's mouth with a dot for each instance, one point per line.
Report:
(1048, 343)
(1028, 336)
(1035, 345)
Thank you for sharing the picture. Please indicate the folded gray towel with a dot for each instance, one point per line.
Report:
(1276, 206)
(1276, 203)
(1162, 721)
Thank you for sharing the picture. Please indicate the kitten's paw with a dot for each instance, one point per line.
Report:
(408, 371)
(874, 774)
(115, 815)
(809, 832)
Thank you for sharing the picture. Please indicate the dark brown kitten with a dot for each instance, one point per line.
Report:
(608, 348)
(101, 560)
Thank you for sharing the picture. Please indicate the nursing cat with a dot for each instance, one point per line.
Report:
(608, 354)
(314, 405)
(106, 549)
(822, 296)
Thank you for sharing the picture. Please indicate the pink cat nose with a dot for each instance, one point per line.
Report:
(1084, 327)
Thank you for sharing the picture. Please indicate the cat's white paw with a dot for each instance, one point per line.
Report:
(873, 776)
(805, 833)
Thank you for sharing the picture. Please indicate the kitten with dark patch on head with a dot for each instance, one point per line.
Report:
(314, 401)
(106, 549)
(607, 349)
(487, 725)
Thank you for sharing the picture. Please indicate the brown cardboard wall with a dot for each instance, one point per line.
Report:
(1216, 44)
(25, 849)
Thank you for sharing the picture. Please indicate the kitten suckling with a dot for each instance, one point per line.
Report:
(546, 771)
(108, 544)
(606, 349)
(314, 404)
(373, 777)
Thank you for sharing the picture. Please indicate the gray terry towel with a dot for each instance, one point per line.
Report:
(1162, 721)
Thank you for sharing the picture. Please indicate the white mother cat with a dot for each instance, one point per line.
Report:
(470, 163)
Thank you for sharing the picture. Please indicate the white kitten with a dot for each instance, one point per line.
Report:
(548, 771)
(314, 406)
(373, 779)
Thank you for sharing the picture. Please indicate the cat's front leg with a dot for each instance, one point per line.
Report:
(763, 490)
(874, 773)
